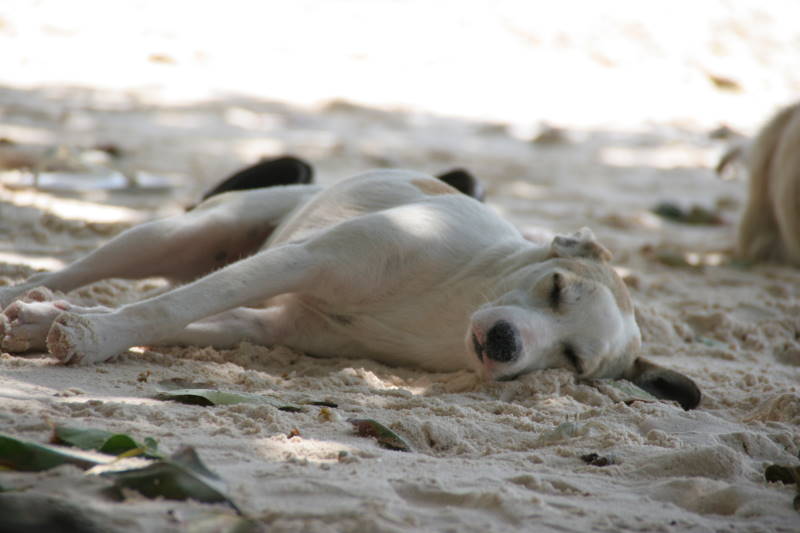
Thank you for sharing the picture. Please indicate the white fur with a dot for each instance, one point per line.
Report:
(388, 265)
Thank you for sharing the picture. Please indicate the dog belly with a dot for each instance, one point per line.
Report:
(387, 335)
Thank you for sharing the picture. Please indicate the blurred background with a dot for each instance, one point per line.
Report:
(118, 111)
(583, 63)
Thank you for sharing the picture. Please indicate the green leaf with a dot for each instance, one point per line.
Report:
(208, 397)
(151, 444)
(86, 439)
(32, 457)
(102, 441)
(366, 427)
(117, 444)
(179, 477)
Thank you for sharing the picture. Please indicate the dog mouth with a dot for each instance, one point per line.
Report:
(478, 347)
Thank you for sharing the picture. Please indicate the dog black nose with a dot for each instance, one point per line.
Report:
(501, 342)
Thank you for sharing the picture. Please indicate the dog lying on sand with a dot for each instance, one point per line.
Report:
(770, 226)
(391, 265)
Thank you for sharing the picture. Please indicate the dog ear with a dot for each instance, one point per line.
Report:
(664, 383)
(580, 244)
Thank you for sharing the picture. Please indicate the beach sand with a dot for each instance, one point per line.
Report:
(572, 121)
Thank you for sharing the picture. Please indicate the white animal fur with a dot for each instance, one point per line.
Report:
(394, 266)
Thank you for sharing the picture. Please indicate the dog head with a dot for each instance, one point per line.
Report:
(570, 311)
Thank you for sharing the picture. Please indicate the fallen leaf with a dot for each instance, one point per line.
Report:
(551, 135)
(28, 456)
(111, 149)
(673, 258)
(208, 397)
(724, 83)
(695, 215)
(323, 404)
(161, 58)
(366, 427)
(622, 390)
(181, 476)
(102, 441)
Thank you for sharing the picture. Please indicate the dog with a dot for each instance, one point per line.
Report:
(392, 265)
(769, 230)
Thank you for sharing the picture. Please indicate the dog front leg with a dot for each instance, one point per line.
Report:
(97, 337)
(227, 329)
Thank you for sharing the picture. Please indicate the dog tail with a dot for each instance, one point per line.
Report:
(759, 235)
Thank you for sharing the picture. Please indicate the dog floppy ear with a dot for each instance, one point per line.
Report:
(664, 383)
(580, 244)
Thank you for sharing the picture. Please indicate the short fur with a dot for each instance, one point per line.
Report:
(390, 265)
(770, 226)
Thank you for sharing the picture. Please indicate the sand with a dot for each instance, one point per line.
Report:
(635, 94)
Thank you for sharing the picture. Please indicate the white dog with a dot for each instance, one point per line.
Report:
(395, 266)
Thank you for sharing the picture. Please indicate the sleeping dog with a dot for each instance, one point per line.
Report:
(391, 265)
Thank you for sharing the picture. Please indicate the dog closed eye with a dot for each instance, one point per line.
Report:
(556, 291)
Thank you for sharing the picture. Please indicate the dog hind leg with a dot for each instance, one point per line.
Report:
(285, 170)
(465, 183)
(219, 231)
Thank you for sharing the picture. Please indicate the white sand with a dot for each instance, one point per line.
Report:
(631, 88)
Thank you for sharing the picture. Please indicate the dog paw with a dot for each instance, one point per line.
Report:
(9, 295)
(580, 244)
(39, 294)
(24, 324)
(71, 339)
(76, 338)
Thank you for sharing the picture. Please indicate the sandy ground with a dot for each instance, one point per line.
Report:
(186, 95)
